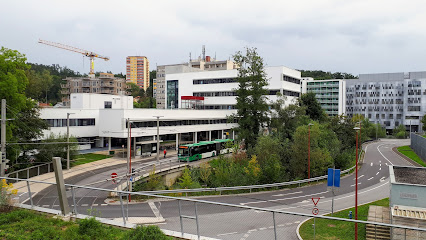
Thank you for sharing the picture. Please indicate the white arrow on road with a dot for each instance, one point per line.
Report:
(382, 179)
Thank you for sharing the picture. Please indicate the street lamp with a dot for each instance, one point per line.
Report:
(68, 140)
(309, 150)
(356, 183)
(158, 138)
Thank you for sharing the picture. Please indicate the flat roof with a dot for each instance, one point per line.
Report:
(410, 175)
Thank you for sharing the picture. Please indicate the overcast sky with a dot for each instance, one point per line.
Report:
(362, 36)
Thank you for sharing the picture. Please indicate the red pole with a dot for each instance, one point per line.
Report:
(309, 152)
(356, 188)
(130, 156)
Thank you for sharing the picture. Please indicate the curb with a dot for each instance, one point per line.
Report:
(395, 149)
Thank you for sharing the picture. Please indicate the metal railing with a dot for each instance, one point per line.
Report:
(279, 219)
(30, 172)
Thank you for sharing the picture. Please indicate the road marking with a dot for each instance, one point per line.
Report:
(282, 225)
(288, 224)
(370, 178)
(224, 234)
(383, 155)
(297, 222)
(271, 227)
(155, 210)
(261, 229)
(380, 169)
(354, 184)
(371, 164)
(280, 195)
(380, 164)
(382, 179)
(359, 177)
(22, 194)
(386, 164)
(252, 230)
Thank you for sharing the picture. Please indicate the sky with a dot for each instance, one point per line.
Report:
(362, 36)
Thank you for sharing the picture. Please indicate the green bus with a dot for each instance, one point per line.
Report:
(204, 149)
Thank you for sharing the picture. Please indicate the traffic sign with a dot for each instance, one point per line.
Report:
(113, 176)
(315, 200)
(333, 178)
(315, 211)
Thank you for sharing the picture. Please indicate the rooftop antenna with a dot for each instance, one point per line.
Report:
(190, 56)
(204, 52)
(215, 56)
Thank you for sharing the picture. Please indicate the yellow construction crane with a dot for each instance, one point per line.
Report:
(86, 53)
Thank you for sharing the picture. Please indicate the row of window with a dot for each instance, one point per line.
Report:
(178, 123)
(233, 93)
(291, 79)
(214, 81)
(73, 122)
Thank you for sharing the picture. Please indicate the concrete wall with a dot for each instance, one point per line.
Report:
(418, 144)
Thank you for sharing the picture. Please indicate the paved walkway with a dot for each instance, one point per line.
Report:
(74, 171)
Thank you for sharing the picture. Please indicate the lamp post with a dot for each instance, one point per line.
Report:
(309, 150)
(68, 140)
(158, 139)
(356, 183)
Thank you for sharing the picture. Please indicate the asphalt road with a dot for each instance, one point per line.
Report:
(234, 223)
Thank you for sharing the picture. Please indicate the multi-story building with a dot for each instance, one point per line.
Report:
(199, 65)
(217, 88)
(390, 99)
(137, 71)
(102, 119)
(331, 94)
(106, 83)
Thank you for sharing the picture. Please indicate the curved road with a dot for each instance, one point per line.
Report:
(235, 223)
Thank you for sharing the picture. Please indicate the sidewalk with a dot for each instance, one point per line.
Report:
(74, 171)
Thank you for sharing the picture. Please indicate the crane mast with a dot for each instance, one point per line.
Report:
(86, 53)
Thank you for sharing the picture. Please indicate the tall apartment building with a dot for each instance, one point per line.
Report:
(137, 71)
(106, 83)
(390, 99)
(216, 89)
(331, 94)
(198, 65)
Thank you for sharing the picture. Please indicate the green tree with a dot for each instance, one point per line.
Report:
(55, 146)
(251, 102)
(312, 106)
(39, 85)
(186, 180)
(400, 132)
(27, 125)
(285, 120)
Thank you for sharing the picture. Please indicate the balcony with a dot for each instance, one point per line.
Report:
(107, 84)
(109, 91)
(66, 85)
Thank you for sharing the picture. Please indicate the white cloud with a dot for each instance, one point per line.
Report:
(352, 36)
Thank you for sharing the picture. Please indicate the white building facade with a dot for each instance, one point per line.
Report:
(218, 87)
(102, 119)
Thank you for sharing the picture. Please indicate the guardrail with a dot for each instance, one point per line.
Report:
(278, 218)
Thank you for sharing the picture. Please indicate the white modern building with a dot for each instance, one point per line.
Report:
(102, 119)
(217, 88)
(390, 99)
(331, 94)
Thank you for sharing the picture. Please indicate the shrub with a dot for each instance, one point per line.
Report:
(6, 190)
(145, 233)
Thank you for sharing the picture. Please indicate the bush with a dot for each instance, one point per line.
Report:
(400, 135)
(5, 193)
(146, 233)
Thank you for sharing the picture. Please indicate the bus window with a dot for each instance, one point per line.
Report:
(183, 151)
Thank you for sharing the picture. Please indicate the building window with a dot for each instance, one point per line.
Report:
(108, 104)
(172, 94)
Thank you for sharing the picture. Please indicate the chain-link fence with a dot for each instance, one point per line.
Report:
(418, 144)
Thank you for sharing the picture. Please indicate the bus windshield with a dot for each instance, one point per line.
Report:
(183, 151)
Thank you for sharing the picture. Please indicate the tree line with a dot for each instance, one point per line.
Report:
(321, 75)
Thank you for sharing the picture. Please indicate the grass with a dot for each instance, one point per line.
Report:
(407, 151)
(87, 158)
(333, 229)
(28, 224)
